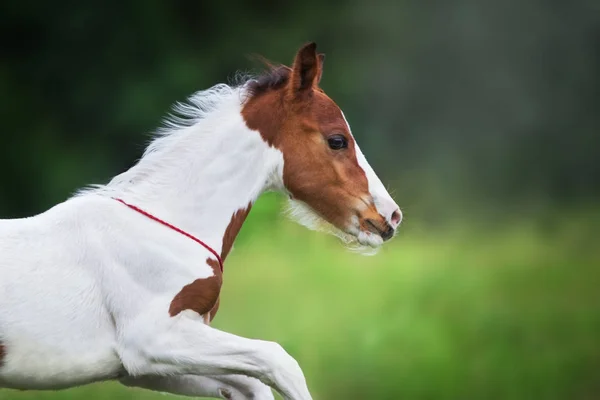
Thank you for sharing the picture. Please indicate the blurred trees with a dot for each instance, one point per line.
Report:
(464, 102)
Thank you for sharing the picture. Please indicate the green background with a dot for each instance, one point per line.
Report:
(482, 117)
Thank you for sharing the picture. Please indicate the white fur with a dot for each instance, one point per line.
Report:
(384, 203)
(86, 286)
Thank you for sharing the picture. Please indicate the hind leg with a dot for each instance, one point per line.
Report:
(229, 387)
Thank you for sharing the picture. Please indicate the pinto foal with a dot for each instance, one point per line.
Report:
(121, 281)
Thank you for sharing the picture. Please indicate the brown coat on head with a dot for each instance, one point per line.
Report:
(294, 115)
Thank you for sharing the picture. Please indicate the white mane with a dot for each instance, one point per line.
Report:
(178, 135)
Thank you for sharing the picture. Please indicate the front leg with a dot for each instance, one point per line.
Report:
(156, 344)
(229, 387)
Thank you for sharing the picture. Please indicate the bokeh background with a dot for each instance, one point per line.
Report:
(483, 117)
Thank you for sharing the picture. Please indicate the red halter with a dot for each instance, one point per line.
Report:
(176, 229)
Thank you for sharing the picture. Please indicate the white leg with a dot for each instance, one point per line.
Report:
(229, 387)
(251, 388)
(185, 385)
(155, 344)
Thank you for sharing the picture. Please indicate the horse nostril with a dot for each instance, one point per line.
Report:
(396, 217)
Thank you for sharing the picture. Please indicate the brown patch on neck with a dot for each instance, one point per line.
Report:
(265, 112)
(237, 220)
(201, 296)
(2, 354)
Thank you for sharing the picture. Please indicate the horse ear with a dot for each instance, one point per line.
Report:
(321, 58)
(306, 68)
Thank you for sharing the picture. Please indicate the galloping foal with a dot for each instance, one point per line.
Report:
(121, 281)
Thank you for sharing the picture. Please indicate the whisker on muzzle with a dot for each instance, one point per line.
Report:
(305, 216)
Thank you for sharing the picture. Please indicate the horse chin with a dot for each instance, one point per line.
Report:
(369, 239)
(362, 242)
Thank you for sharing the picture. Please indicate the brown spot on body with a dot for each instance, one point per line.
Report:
(201, 296)
(237, 220)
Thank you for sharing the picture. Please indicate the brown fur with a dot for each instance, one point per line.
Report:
(201, 295)
(294, 115)
(237, 219)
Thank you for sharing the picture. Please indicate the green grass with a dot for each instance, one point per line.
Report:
(507, 312)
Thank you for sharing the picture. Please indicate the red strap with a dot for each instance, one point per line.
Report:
(176, 229)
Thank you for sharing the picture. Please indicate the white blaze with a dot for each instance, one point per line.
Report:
(384, 203)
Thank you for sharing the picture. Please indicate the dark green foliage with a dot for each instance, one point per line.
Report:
(468, 102)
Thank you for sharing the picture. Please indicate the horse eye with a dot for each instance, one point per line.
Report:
(337, 142)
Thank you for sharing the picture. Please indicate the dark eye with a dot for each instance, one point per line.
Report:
(337, 142)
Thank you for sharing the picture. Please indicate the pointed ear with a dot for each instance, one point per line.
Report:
(321, 58)
(305, 69)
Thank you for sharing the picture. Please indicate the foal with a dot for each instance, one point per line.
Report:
(121, 281)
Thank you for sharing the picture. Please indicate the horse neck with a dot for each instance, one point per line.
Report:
(205, 177)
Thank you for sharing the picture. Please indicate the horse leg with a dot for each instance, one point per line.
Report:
(229, 387)
(153, 344)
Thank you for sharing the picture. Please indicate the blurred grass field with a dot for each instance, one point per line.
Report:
(462, 312)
